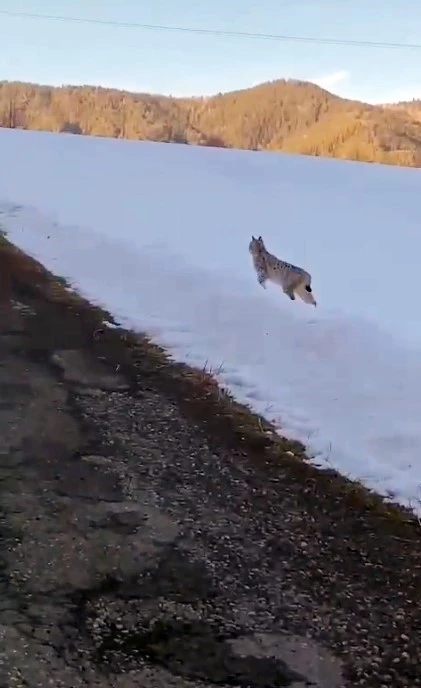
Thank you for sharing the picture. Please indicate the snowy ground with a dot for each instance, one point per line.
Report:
(159, 234)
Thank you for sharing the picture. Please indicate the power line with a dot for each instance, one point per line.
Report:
(217, 32)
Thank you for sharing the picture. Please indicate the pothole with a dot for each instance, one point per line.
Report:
(170, 617)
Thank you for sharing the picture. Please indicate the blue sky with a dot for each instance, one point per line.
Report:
(190, 64)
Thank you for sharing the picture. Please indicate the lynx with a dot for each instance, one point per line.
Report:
(292, 279)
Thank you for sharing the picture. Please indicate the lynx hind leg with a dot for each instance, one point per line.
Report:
(289, 291)
(291, 285)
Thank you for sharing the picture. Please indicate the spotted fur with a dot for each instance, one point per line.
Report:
(293, 280)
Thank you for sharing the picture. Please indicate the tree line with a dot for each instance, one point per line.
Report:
(284, 115)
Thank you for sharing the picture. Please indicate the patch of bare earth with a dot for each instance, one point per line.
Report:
(154, 533)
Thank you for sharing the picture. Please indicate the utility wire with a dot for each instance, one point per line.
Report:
(216, 32)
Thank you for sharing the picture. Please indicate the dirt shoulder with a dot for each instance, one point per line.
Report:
(155, 534)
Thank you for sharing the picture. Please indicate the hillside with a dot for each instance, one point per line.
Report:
(289, 116)
(167, 229)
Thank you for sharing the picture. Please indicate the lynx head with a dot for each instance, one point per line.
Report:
(256, 246)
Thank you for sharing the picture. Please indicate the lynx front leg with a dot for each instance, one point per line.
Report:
(261, 278)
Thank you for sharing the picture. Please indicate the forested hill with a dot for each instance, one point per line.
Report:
(291, 116)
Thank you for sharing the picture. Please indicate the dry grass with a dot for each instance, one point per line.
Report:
(218, 415)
